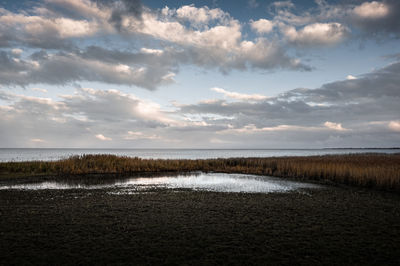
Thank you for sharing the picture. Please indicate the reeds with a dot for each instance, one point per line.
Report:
(368, 170)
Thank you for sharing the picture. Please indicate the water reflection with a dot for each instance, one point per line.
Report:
(217, 182)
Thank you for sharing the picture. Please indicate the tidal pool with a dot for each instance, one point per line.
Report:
(217, 182)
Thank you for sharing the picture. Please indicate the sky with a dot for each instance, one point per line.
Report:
(199, 74)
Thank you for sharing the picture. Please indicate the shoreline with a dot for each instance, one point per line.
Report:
(371, 170)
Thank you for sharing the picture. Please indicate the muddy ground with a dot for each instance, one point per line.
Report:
(334, 225)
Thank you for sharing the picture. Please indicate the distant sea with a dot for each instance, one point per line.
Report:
(18, 155)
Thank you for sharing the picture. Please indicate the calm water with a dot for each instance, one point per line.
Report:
(216, 182)
(56, 154)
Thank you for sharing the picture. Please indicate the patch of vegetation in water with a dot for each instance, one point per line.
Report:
(380, 171)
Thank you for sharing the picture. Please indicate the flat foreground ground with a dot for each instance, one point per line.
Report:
(334, 225)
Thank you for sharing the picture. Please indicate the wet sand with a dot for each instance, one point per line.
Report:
(334, 225)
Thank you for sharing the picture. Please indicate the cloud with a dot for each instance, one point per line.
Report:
(371, 19)
(149, 68)
(368, 19)
(132, 135)
(394, 125)
(253, 129)
(317, 34)
(200, 16)
(305, 115)
(67, 68)
(220, 45)
(102, 137)
(16, 51)
(350, 77)
(37, 140)
(75, 9)
(52, 43)
(122, 9)
(371, 10)
(334, 126)
(39, 90)
(377, 18)
(45, 29)
(338, 114)
(151, 51)
(371, 87)
(240, 96)
(253, 3)
(262, 26)
(88, 114)
(90, 103)
(342, 113)
(283, 4)
(188, 35)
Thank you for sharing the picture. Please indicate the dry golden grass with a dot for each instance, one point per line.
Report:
(368, 170)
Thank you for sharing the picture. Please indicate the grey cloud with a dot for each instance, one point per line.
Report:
(261, 114)
(148, 69)
(113, 114)
(7, 63)
(168, 58)
(53, 24)
(109, 106)
(48, 40)
(121, 8)
(373, 19)
(314, 139)
(386, 25)
(66, 68)
(267, 56)
(373, 97)
(370, 87)
(15, 34)
(372, 23)
(5, 96)
(127, 7)
(83, 115)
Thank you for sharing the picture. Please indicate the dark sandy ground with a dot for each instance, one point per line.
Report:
(334, 226)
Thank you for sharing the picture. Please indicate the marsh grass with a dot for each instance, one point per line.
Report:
(368, 170)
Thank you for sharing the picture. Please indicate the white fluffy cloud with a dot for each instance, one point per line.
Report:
(102, 137)
(317, 34)
(221, 46)
(202, 15)
(371, 10)
(46, 29)
(262, 26)
(377, 19)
